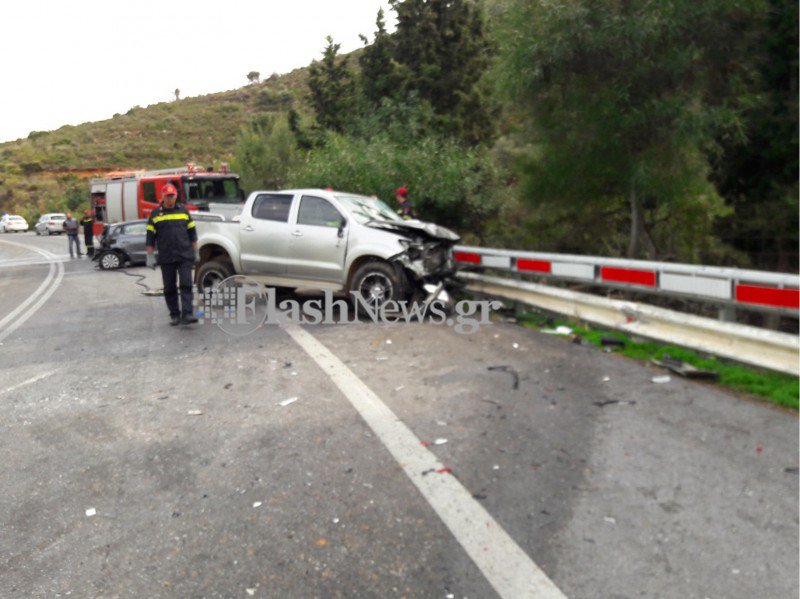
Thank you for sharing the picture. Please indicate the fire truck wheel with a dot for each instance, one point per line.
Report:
(211, 273)
(110, 261)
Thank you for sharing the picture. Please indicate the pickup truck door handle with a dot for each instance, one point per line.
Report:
(248, 228)
(297, 233)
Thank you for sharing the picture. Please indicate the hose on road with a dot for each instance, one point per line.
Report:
(139, 278)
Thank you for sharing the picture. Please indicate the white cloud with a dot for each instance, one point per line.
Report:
(73, 62)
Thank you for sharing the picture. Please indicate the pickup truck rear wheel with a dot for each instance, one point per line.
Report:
(378, 283)
(211, 273)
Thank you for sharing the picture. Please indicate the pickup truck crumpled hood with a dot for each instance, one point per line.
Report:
(410, 227)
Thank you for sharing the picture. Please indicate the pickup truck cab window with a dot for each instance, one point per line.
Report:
(318, 212)
(272, 206)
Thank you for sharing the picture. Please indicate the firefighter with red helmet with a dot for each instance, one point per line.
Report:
(406, 208)
(172, 230)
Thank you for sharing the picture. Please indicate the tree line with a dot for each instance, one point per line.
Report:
(662, 130)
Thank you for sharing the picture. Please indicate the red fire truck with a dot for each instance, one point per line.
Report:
(130, 195)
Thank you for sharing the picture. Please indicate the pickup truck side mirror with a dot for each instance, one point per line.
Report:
(342, 225)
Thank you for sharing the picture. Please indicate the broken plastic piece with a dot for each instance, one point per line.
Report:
(286, 402)
(256, 504)
(686, 370)
(91, 512)
(661, 379)
(610, 520)
(440, 441)
(611, 342)
(560, 330)
(443, 471)
(194, 413)
(606, 379)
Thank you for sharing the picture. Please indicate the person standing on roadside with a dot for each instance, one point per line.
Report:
(88, 232)
(406, 208)
(172, 230)
(71, 229)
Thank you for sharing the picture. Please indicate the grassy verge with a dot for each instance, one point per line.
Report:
(782, 389)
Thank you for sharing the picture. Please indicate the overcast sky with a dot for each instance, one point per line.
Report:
(69, 62)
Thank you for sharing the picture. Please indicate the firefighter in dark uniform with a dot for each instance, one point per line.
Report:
(172, 230)
(88, 232)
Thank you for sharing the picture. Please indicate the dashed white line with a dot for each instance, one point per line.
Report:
(511, 572)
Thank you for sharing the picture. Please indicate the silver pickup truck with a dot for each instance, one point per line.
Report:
(319, 239)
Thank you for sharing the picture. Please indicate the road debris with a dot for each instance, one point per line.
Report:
(611, 342)
(400, 388)
(496, 467)
(440, 441)
(686, 370)
(610, 520)
(336, 520)
(228, 385)
(286, 402)
(606, 379)
(515, 345)
(388, 342)
(559, 330)
(608, 402)
(444, 471)
(381, 358)
(256, 504)
(91, 512)
(658, 380)
(194, 413)
(250, 592)
(794, 470)
(514, 374)
(479, 496)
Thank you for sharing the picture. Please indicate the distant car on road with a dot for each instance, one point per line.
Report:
(122, 243)
(50, 224)
(11, 223)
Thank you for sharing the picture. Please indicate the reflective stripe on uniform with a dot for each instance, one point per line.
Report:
(190, 225)
(151, 228)
(163, 217)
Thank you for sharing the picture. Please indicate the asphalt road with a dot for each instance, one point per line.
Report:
(202, 485)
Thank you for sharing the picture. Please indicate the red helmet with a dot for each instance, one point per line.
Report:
(401, 191)
(169, 190)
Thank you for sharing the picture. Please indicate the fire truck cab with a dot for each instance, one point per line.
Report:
(130, 195)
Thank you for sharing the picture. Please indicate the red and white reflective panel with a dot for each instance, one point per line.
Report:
(768, 296)
(527, 265)
(705, 286)
(467, 257)
(496, 261)
(573, 271)
(647, 278)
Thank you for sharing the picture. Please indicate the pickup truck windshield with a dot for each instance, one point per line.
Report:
(200, 192)
(365, 209)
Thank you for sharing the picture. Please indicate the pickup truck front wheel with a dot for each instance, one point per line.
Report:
(377, 282)
(211, 273)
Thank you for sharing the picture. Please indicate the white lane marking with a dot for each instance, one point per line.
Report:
(32, 261)
(504, 564)
(30, 381)
(35, 300)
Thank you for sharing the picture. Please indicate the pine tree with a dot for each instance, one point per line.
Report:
(443, 52)
(379, 76)
(332, 88)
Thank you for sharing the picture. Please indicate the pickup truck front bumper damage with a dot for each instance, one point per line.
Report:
(429, 269)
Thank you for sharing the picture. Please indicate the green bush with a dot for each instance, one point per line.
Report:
(448, 183)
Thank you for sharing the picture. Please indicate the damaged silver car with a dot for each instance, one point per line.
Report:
(321, 239)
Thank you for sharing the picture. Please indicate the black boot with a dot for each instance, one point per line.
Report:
(188, 319)
(174, 320)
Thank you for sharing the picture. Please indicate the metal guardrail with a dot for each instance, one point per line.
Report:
(750, 345)
(728, 288)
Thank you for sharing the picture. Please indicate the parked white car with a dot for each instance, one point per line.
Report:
(50, 224)
(11, 223)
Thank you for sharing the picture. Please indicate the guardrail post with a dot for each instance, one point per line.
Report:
(727, 314)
